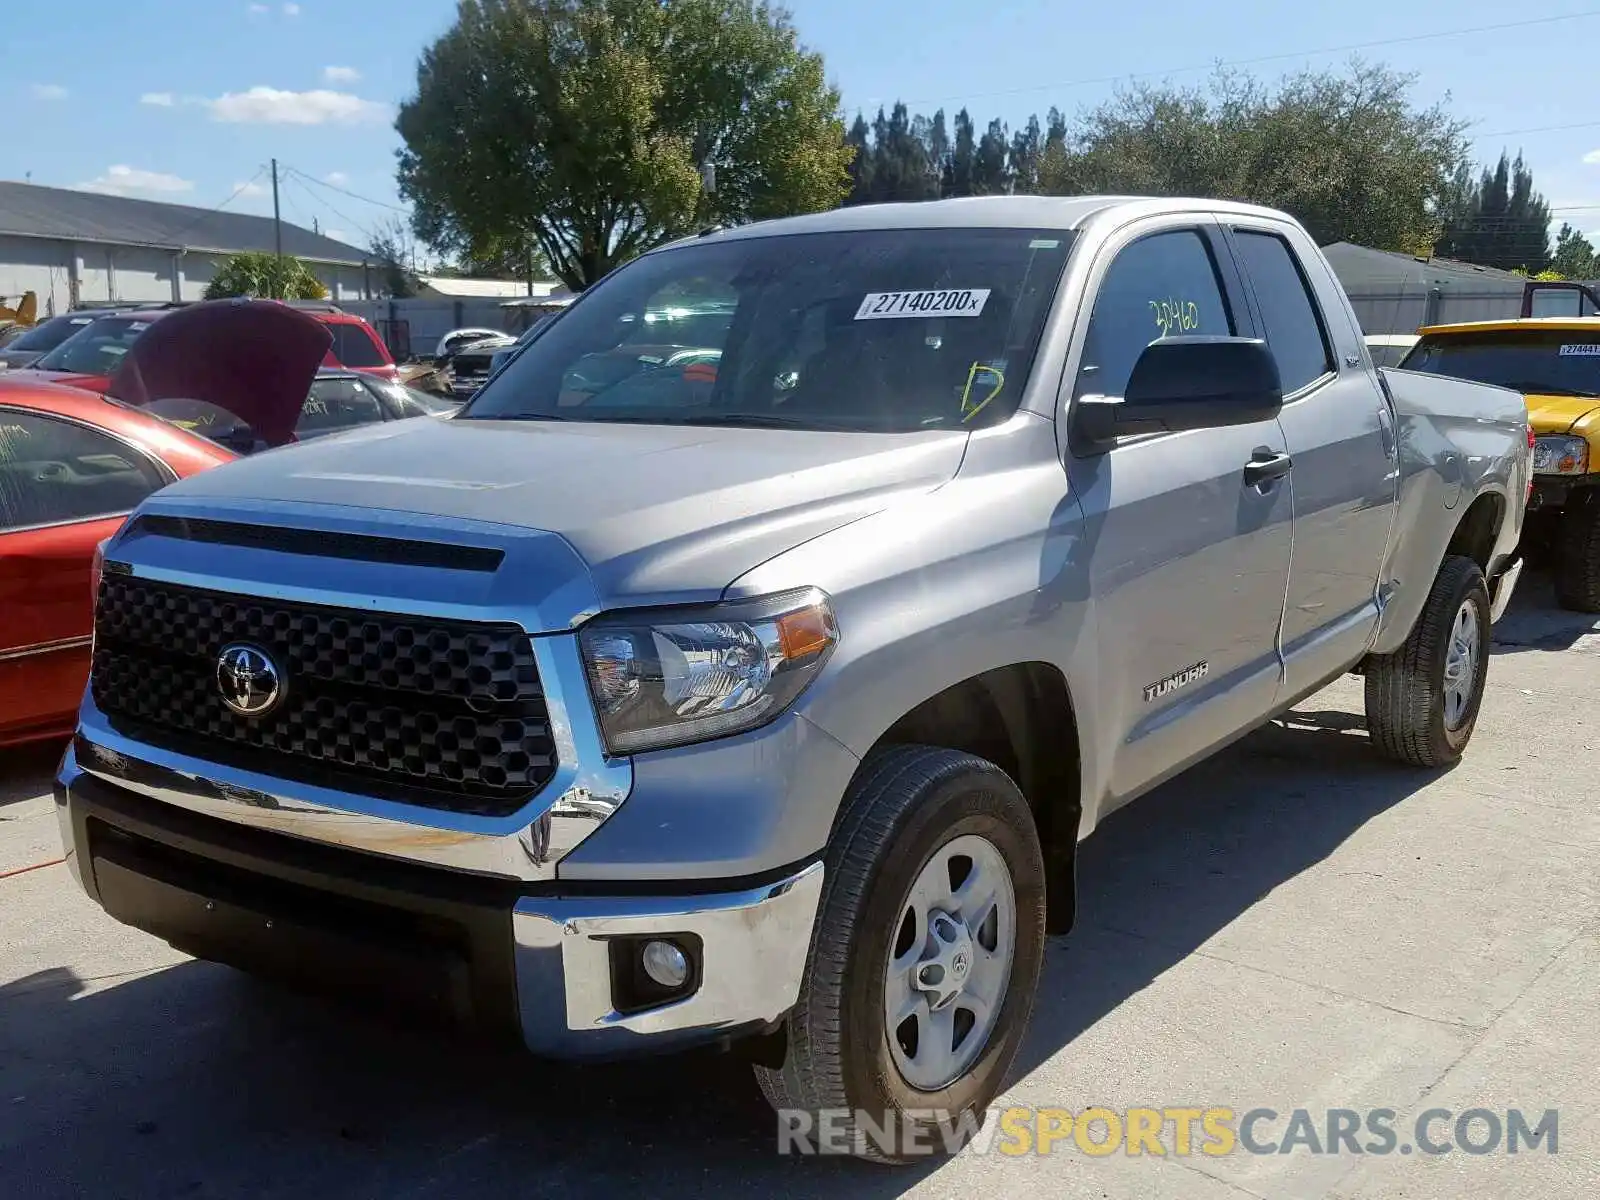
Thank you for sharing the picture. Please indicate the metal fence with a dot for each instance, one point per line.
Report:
(413, 327)
(1407, 309)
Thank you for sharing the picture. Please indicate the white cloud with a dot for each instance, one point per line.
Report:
(337, 178)
(291, 10)
(123, 181)
(49, 91)
(1592, 157)
(337, 235)
(249, 189)
(159, 99)
(259, 10)
(341, 74)
(270, 106)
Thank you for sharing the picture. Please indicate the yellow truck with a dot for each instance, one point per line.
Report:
(1555, 363)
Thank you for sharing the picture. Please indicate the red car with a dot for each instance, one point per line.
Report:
(88, 358)
(74, 463)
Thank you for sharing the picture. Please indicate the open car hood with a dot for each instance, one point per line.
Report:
(254, 359)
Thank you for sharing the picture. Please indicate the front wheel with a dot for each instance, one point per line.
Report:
(924, 961)
(1422, 700)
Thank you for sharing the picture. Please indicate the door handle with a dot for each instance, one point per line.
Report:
(1265, 466)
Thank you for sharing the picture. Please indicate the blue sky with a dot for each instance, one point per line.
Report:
(187, 100)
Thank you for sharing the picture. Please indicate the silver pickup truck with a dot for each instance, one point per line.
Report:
(761, 695)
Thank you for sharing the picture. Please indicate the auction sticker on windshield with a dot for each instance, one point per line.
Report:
(1580, 351)
(953, 302)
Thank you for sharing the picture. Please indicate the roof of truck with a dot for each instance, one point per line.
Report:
(999, 212)
(1584, 324)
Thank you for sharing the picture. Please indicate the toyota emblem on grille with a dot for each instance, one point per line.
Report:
(248, 680)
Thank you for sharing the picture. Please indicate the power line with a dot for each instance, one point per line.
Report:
(1540, 129)
(237, 192)
(333, 187)
(1261, 58)
(296, 177)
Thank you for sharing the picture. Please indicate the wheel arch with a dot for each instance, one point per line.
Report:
(1022, 718)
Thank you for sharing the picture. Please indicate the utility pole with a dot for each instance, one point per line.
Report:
(277, 221)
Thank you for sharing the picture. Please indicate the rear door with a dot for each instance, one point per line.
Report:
(1341, 438)
(64, 487)
(1188, 561)
(337, 404)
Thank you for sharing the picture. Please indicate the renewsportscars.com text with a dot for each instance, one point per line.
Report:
(1178, 1130)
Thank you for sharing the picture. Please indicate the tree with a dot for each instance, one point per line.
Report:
(598, 129)
(863, 162)
(391, 248)
(265, 276)
(1574, 257)
(961, 169)
(991, 173)
(1501, 221)
(1346, 153)
(1027, 145)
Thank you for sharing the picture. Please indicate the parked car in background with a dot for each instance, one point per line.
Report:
(471, 365)
(32, 343)
(341, 400)
(73, 464)
(1555, 363)
(506, 353)
(766, 700)
(459, 339)
(1387, 349)
(89, 354)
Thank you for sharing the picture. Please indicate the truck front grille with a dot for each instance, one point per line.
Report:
(442, 714)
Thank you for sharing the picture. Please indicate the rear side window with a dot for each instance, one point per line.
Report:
(337, 404)
(353, 346)
(1294, 329)
(53, 472)
(1164, 285)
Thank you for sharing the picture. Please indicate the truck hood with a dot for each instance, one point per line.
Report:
(253, 358)
(1564, 414)
(658, 513)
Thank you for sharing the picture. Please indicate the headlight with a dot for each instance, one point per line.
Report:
(669, 677)
(1560, 456)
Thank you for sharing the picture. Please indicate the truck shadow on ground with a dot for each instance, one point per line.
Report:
(1533, 621)
(195, 1081)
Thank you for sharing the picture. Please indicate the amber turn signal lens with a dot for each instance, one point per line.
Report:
(805, 632)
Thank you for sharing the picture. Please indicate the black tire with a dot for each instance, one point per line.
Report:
(904, 805)
(1406, 691)
(1578, 555)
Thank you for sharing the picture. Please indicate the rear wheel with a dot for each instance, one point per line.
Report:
(922, 969)
(1578, 554)
(1422, 700)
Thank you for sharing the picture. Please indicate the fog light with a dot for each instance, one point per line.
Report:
(665, 964)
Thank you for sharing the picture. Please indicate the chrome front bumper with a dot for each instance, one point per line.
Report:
(541, 963)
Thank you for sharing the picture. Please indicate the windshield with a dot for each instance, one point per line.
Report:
(1552, 362)
(875, 330)
(97, 347)
(49, 335)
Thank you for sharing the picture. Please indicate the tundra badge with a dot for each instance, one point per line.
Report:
(1172, 683)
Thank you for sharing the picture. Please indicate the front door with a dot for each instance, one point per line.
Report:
(64, 487)
(1188, 561)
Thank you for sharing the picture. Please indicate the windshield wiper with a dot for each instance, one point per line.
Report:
(1547, 389)
(751, 420)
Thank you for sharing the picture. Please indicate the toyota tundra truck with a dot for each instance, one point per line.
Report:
(763, 701)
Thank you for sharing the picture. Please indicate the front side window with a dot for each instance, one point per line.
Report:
(1294, 330)
(869, 330)
(337, 404)
(97, 348)
(54, 471)
(1551, 362)
(1164, 285)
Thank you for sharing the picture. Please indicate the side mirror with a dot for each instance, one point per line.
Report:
(1187, 383)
